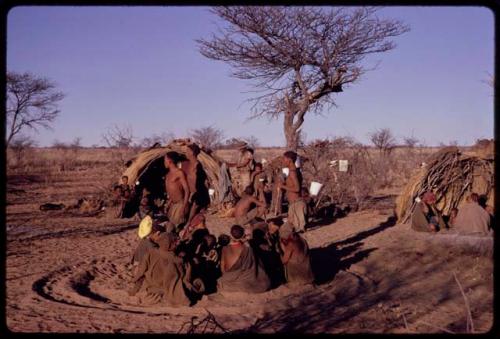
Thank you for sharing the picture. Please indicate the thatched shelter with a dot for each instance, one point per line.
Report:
(149, 170)
(451, 175)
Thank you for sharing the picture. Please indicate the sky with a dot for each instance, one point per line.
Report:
(140, 66)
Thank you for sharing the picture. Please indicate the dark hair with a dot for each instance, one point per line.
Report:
(174, 156)
(474, 197)
(249, 149)
(249, 190)
(194, 148)
(223, 240)
(277, 221)
(210, 239)
(290, 155)
(157, 228)
(483, 199)
(237, 231)
(124, 176)
(258, 164)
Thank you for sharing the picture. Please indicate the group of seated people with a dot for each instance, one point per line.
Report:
(177, 268)
(474, 217)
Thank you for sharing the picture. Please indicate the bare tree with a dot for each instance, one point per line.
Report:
(383, 140)
(31, 103)
(119, 136)
(163, 139)
(410, 142)
(296, 57)
(19, 144)
(252, 141)
(209, 137)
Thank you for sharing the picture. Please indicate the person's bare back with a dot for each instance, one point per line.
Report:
(246, 202)
(230, 255)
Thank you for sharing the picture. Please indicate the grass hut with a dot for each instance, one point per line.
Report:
(148, 169)
(451, 175)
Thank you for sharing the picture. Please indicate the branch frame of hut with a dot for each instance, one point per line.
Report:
(148, 168)
(452, 175)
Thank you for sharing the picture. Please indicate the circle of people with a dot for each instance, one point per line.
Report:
(178, 260)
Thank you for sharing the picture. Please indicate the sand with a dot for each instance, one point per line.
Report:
(69, 274)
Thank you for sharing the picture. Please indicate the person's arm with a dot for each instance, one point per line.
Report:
(257, 202)
(223, 260)
(185, 187)
(287, 253)
(142, 268)
(294, 187)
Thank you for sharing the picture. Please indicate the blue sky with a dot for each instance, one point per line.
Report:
(141, 66)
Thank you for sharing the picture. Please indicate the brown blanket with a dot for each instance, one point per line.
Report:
(163, 274)
(298, 269)
(472, 219)
(246, 275)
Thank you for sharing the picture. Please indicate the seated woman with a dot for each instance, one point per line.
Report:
(426, 218)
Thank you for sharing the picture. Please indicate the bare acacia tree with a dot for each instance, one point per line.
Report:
(163, 139)
(383, 140)
(297, 57)
(410, 142)
(119, 136)
(209, 137)
(31, 102)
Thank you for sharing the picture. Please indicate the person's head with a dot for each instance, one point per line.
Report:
(145, 227)
(453, 212)
(223, 240)
(274, 225)
(429, 197)
(258, 234)
(474, 197)
(258, 167)
(166, 241)
(289, 158)
(193, 150)
(249, 190)
(210, 241)
(199, 235)
(286, 232)
(156, 230)
(482, 201)
(171, 159)
(117, 189)
(249, 149)
(237, 232)
(124, 180)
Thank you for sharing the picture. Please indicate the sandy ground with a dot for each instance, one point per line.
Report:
(67, 273)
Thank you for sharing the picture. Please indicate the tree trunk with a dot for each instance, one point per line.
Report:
(291, 132)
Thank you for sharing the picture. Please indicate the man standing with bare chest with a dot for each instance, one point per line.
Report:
(177, 189)
(297, 208)
(197, 180)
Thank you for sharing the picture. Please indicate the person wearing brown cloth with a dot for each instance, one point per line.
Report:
(178, 190)
(163, 273)
(295, 257)
(426, 217)
(241, 270)
(196, 176)
(472, 219)
(297, 209)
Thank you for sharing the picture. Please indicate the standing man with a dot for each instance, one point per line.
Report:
(297, 209)
(245, 166)
(177, 189)
(199, 198)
